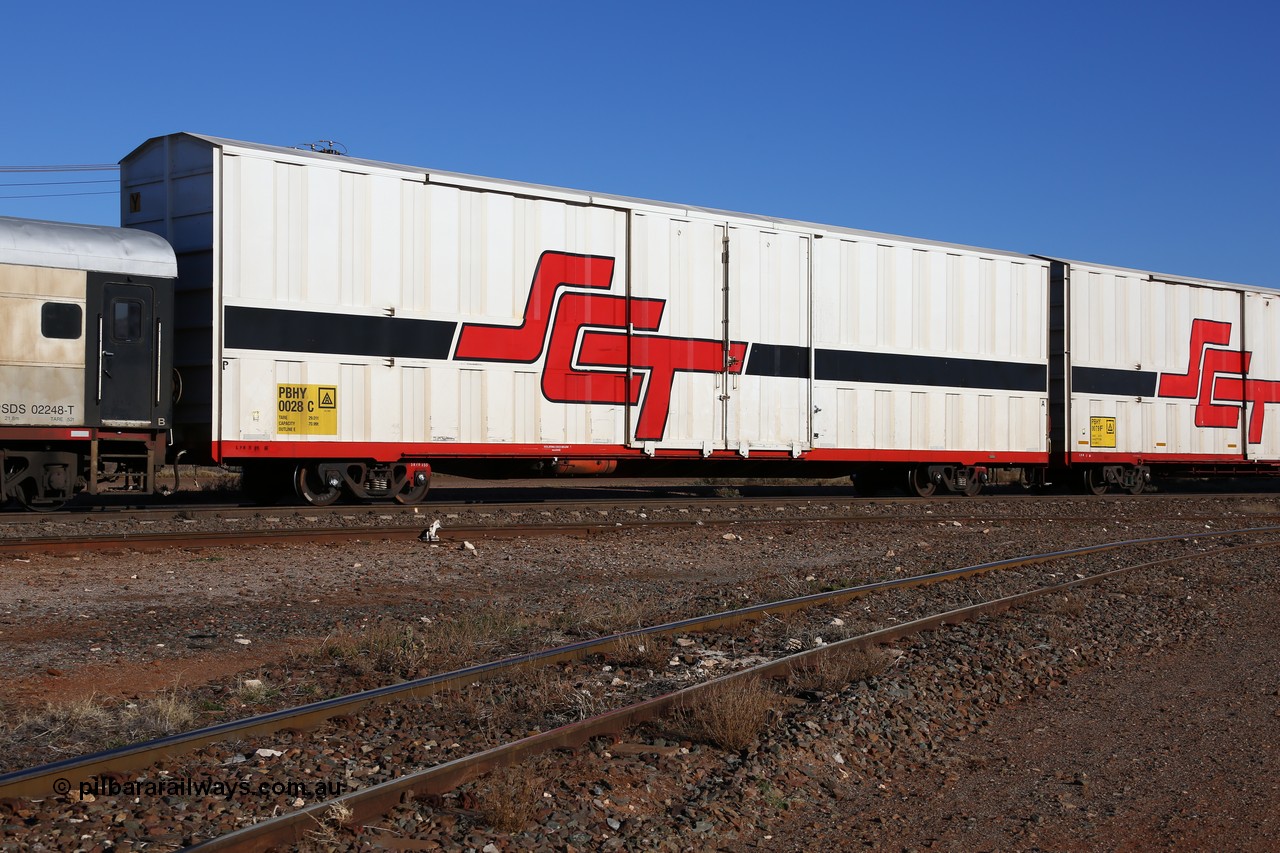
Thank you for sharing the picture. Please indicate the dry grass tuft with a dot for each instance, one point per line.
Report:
(838, 668)
(642, 651)
(534, 699)
(474, 636)
(88, 724)
(1061, 635)
(383, 646)
(164, 713)
(407, 651)
(509, 799)
(326, 835)
(593, 616)
(731, 715)
(69, 722)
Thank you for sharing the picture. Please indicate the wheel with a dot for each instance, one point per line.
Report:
(312, 488)
(973, 488)
(410, 494)
(27, 497)
(25, 489)
(1093, 481)
(30, 502)
(1139, 484)
(918, 482)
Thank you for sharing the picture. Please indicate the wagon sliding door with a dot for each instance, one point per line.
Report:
(769, 404)
(702, 293)
(1260, 420)
(677, 332)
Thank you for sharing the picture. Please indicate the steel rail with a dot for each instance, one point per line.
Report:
(369, 803)
(421, 512)
(38, 781)
(674, 494)
(216, 539)
(226, 538)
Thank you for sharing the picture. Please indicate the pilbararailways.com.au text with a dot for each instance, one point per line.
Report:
(184, 787)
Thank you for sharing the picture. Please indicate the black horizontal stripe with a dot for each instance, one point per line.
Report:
(1107, 380)
(790, 362)
(880, 368)
(336, 334)
(895, 369)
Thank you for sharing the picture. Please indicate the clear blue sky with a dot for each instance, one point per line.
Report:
(1140, 134)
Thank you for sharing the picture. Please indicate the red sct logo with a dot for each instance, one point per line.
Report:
(589, 350)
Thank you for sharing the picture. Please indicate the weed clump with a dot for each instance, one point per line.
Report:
(509, 798)
(838, 668)
(731, 715)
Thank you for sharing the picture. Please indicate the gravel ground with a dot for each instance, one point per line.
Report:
(987, 736)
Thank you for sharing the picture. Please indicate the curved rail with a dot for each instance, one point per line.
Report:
(38, 781)
(369, 803)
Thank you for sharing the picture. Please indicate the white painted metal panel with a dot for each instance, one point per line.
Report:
(899, 314)
(768, 304)
(1262, 391)
(327, 237)
(1140, 356)
(677, 262)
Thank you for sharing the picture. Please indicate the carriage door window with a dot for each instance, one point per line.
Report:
(127, 355)
(126, 320)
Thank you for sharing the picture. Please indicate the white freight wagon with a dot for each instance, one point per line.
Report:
(345, 324)
(1163, 371)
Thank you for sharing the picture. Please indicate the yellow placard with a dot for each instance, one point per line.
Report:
(306, 410)
(1102, 432)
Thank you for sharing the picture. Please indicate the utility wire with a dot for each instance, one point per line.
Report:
(58, 183)
(74, 167)
(57, 195)
(86, 167)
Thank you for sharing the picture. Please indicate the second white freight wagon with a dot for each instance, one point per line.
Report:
(346, 324)
(1162, 372)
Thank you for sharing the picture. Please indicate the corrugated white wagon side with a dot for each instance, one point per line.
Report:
(929, 351)
(364, 319)
(393, 266)
(1164, 371)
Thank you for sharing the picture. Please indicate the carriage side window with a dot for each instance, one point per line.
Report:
(126, 320)
(60, 320)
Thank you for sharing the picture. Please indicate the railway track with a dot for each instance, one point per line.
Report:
(255, 526)
(33, 783)
(369, 804)
(538, 499)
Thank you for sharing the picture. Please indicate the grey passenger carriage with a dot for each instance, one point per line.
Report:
(85, 359)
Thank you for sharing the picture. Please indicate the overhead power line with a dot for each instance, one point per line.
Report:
(84, 167)
(58, 183)
(57, 195)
